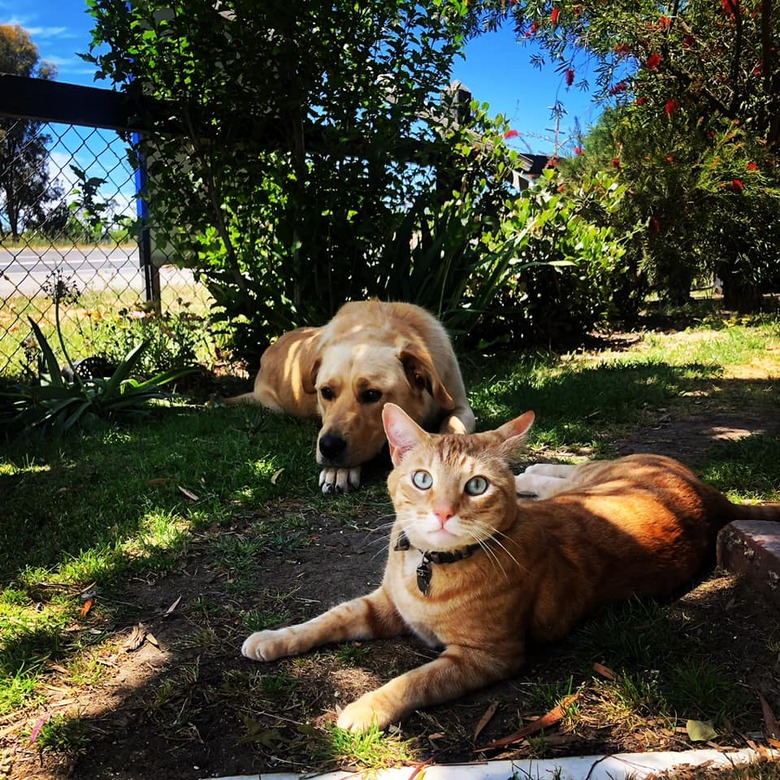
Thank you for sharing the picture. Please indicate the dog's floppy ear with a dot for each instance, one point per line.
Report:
(308, 360)
(309, 375)
(423, 375)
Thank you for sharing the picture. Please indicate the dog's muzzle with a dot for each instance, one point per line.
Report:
(332, 448)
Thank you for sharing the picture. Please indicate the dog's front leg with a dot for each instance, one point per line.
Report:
(334, 480)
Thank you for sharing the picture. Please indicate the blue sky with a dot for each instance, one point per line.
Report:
(497, 70)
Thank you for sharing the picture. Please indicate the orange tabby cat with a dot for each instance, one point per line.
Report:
(475, 570)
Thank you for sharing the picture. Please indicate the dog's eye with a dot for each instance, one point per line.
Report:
(327, 393)
(370, 396)
(422, 479)
(476, 486)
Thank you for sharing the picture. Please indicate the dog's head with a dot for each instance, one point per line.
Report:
(354, 381)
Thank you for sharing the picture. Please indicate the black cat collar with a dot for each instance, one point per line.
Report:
(432, 556)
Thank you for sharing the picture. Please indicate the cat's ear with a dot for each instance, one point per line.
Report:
(515, 432)
(402, 432)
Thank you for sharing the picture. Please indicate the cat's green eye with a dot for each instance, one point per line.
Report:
(422, 479)
(476, 486)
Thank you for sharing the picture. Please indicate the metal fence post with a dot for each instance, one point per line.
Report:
(151, 272)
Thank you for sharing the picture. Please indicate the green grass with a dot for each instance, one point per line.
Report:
(101, 508)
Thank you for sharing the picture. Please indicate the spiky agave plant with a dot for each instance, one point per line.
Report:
(58, 404)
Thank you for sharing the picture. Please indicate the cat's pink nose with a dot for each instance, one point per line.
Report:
(443, 515)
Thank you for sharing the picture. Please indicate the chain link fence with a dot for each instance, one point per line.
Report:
(69, 247)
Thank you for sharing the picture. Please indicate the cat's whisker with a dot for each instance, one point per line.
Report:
(498, 537)
(482, 541)
(503, 546)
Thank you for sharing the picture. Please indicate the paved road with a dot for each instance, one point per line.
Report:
(24, 271)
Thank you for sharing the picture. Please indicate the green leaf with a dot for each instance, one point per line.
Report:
(55, 375)
(700, 730)
(124, 368)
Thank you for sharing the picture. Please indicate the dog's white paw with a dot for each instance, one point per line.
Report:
(339, 480)
(525, 486)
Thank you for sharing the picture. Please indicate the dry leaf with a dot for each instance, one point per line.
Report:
(700, 730)
(772, 727)
(152, 639)
(550, 718)
(36, 729)
(275, 477)
(136, 638)
(485, 719)
(86, 607)
(188, 493)
(419, 771)
(605, 671)
(157, 481)
(173, 606)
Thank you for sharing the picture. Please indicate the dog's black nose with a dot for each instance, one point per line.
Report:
(332, 446)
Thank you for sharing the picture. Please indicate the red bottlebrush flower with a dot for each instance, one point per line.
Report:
(615, 162)
(730, 8)
(532, 29)
(654, 226)
(664, 23)
(552, 162)
(751, 166)
(758, 70)
(622, 48)
(737, 185)
(670, 158)
(511, 134)
(688, 41)
(653, 61)
(640, 101)
(579, 151)
(621, 86)
(671, 106)
(569, 77)
(555, 13)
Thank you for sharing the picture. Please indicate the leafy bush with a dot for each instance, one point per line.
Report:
(554, 269)
(173, 339)
(337, 165)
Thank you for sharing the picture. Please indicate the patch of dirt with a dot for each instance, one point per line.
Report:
(185, 704)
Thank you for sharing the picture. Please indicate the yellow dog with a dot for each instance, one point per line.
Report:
(370, 353)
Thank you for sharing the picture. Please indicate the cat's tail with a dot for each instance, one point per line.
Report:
(756, 512)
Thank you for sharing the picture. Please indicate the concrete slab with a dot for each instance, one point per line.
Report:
(751, 548)
(621, 766)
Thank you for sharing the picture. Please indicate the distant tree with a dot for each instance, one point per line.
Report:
(25, 186)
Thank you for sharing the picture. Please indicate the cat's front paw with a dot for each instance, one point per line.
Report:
(267, 645)
(369, 710)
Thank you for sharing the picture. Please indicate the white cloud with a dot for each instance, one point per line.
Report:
(51, 32)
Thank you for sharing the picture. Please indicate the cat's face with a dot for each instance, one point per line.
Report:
(451, 491)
